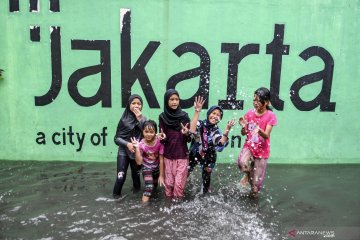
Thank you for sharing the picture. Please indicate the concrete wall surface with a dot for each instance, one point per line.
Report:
(70, 66)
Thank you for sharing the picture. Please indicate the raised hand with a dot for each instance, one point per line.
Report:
(228, 127)
(161, 135)
(198, 103)
(132, 145)
(134, 142)
(242, 122)
(230, 124)
(184, 129)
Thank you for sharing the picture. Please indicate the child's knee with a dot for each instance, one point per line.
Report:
(243, 166)
(120, 175)
(244, 160)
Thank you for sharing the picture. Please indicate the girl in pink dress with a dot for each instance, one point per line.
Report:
(256, 125)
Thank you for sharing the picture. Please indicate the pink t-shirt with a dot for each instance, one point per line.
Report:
(151, 154)
(259, 147)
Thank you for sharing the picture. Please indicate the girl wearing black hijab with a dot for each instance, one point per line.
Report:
(130, 125)
(207, 140)
(173, 124)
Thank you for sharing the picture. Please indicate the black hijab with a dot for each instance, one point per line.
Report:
(128, 125)
(206, 131)
(172, 118)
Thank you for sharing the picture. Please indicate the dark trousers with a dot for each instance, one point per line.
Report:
(207, 166)
(123, 162)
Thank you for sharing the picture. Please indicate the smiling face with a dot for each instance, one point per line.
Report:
(135, 104)
(258, 105)
(174, 101)
(149, 134)
(214, 116)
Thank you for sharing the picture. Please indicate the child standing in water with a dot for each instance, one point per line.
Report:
(256, 125)
(207, 139)
(130, 125)
(173, 123)
(149, 153)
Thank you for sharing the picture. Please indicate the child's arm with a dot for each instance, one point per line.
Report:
(199, 102)
(138, 156)
(122, 142)
(162, 172)
(265, 134)
(228, 127)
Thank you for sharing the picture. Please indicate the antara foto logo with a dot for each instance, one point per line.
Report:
(292, 233)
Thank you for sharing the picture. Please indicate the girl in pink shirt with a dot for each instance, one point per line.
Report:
(256, 125)
(149, 153)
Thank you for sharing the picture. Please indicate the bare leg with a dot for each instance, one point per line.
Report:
(244, 163)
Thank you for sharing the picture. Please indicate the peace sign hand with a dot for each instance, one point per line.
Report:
(134, 142)
(184, 129)
(161, 135)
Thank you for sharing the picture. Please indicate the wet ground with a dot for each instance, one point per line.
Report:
(72, 200)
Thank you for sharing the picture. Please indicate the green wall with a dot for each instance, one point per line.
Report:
(306, 51)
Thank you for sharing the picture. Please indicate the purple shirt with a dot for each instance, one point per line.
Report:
(175, 144)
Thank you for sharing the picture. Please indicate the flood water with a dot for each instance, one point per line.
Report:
(72, 200)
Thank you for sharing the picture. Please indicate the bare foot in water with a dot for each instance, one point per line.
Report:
(244, 181)
(254, 194)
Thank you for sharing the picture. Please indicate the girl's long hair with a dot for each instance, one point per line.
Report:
(264, 96)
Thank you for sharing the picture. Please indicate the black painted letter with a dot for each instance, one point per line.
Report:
(130, 74)
(104, 92)
(235, 57)
(203, 71)
(56, 70)
(326, 75)
(277, 49)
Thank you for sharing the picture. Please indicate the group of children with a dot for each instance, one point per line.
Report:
(164, 157)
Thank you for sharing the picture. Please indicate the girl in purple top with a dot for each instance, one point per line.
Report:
(174, 124)
(149, 153)
(256, 125)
